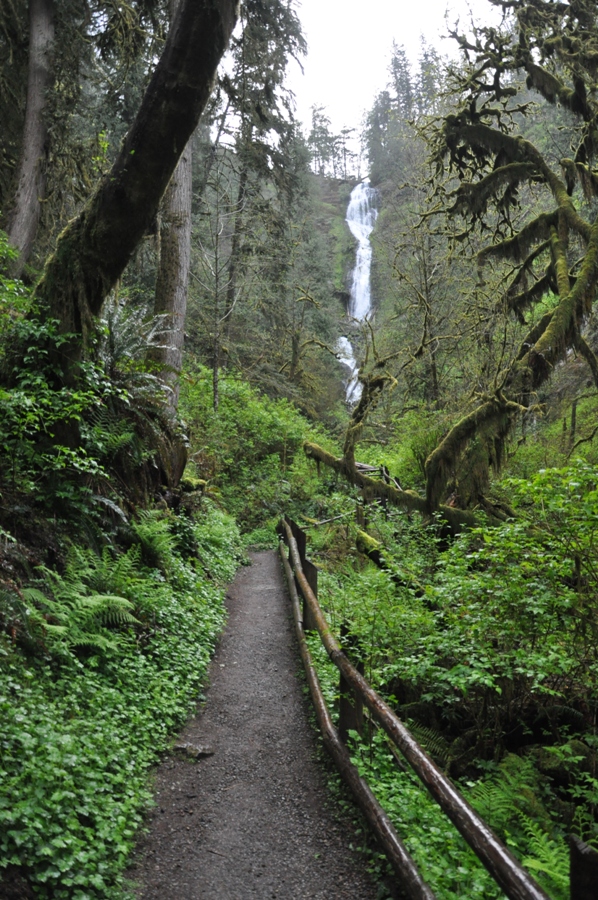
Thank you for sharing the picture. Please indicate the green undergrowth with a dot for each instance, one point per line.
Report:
(444, 860)
(98, 666)
(249, 451)
(486, 646)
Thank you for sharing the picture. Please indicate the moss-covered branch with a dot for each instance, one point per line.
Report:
(410, 501)
(534, 334)
(482, 138)
(519, 246)
(559, 262)
(493, 418)
(518, 303)
(563, 326)
(588, 354)
(553, 89)
(472, 197)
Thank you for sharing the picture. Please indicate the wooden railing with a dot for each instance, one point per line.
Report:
(507, 871)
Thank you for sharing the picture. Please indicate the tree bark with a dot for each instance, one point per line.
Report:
(173, 274)
(94, 249)
(31, 177)
(235, 250)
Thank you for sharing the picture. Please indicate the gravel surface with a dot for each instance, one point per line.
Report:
(252, 820)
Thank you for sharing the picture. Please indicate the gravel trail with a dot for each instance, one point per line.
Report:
(251, 821)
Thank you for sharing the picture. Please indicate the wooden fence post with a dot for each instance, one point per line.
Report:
(584, 870)
(350, 712)
(300, 538)
(311, 574)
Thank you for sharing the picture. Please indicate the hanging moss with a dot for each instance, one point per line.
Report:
(472, 198)
(491, 422)
(533, 295)
(518, 247)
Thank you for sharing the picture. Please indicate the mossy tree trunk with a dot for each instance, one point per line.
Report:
(94, 249)
(172, 280)
(31, 173)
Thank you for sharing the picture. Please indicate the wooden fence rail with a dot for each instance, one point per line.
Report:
(411, 881)
(507, 871)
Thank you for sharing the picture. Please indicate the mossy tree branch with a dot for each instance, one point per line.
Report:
(590, 357)
(494, 416)
(518, 303)
(410, 501)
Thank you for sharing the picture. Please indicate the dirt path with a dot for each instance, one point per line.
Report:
(251, 821)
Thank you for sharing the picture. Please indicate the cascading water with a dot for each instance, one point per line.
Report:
(361, 218)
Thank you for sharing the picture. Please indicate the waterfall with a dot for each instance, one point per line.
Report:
(361, 218)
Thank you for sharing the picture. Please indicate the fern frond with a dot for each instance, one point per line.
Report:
(74, 616)
(156, 540)
(548, 857)
(494, 801)
(111, 505)
(431, 740)
(107, 609)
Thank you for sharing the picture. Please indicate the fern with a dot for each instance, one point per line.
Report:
(111, 505)
(109, 432)
(494, 802)
(548, 857)
(508, 800)
(514, 787)
(431, 740)
(71, 616)
(156, 540)
(109, 573)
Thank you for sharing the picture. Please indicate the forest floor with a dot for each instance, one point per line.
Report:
(253, 820)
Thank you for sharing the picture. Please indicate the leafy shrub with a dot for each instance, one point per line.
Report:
(443, 858)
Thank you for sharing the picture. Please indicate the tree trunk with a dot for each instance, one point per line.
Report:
(235, 250)
(31, 177)
(94, 249)
(173, 273)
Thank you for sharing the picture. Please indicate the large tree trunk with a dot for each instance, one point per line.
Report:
(31, 174)
(173, 273)
(94, 249)
(172, 279)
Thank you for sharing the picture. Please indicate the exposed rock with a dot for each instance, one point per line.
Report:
(195, 751)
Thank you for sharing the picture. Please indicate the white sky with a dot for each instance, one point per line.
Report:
(349, 45)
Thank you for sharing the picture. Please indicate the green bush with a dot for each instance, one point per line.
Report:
(247, 450)
(489, 646)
